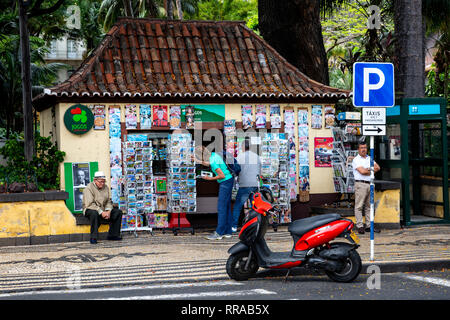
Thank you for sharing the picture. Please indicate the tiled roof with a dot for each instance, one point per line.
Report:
(171, 58)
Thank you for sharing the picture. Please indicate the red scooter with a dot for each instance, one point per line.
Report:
(312, 244)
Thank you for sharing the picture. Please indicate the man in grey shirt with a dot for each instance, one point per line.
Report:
(250, 168)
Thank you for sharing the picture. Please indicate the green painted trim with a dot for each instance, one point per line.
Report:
(68, 178)
(69, 184)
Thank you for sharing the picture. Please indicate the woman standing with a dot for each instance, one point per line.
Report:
(225, 179)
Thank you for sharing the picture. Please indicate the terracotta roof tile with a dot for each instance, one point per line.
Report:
(168, 58)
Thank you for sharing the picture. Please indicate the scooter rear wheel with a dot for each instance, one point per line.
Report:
(350, 271)
(236, 266)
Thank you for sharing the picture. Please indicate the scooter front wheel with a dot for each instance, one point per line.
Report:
(236, 266)
(352, 268)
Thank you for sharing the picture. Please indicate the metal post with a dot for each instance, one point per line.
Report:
(372, 196)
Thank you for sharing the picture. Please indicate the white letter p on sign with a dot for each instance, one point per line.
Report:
(375, 86)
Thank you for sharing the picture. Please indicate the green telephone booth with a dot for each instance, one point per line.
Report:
(415, 151)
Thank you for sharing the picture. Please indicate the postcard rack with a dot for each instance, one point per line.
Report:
(181, 181)
(137, 186)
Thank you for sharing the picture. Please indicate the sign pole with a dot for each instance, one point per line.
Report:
(372, 196)
(373, 90)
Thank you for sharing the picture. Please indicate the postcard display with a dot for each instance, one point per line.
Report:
(138, 185)
(181, 179)
(275, 171)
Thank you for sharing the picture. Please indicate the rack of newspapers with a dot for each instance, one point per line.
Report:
(344, 140)
(274, 155)
(181, 182)
(137, 186)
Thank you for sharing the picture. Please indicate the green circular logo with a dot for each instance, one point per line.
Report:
(78, 119)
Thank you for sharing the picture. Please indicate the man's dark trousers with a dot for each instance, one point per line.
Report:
(115, 222)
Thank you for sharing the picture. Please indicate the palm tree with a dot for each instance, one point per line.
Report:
(409, 76)
(110, 10)
(42, 75)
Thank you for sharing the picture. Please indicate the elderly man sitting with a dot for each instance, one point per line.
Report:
(98, 207)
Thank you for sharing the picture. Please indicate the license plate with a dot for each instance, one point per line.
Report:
(354, 237)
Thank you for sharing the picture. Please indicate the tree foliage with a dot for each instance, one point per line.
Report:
(43, 169)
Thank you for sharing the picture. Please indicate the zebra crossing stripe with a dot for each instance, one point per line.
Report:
(436, 281)
(196, 295)
(143, 287)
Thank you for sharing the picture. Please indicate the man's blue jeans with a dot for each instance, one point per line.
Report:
(241, 197)
(224, 217)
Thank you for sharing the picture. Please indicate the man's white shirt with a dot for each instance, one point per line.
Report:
(357, 162)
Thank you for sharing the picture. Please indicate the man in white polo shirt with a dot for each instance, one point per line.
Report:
(361, 173)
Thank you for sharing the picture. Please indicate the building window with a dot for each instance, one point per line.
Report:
(52, 53)
(72, 49)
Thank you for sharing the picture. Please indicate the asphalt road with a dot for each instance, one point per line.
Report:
(394, 286)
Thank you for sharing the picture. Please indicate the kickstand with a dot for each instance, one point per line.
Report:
(287, 275)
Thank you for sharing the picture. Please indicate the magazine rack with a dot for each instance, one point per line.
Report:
(344, 151)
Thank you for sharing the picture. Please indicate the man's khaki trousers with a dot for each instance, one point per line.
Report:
(362, 202)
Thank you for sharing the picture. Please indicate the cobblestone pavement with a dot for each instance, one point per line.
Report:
(185, 257)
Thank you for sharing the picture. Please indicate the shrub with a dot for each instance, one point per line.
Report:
(42, 170)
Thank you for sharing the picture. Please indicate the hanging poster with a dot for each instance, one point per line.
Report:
(115, 149)
(130, 117)
(303, 178)
(175, 117)
(78, 198)
(329, 116)
(289, 129)
(303, 155)
(80, 174)
(247, 116)
(99, 118)
(316, 117)
(229, 127)
(231, 145)
(275, 116)
(189, 116)
(160, 117)
(145, 114)
(353, 129)
(323, 150)
(260, 116)
(80, 178)
(302, 117)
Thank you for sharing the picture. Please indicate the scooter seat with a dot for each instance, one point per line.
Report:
(301, 226)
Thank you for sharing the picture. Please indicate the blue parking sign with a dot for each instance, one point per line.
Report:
(373, 84)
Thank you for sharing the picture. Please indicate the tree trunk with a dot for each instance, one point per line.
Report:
(179, 9)
(293, 28)
(128, 10)
(409, 74)
(26, 84)
(169, 9)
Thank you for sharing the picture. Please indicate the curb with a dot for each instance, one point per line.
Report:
(407, 266)
(385, 267)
